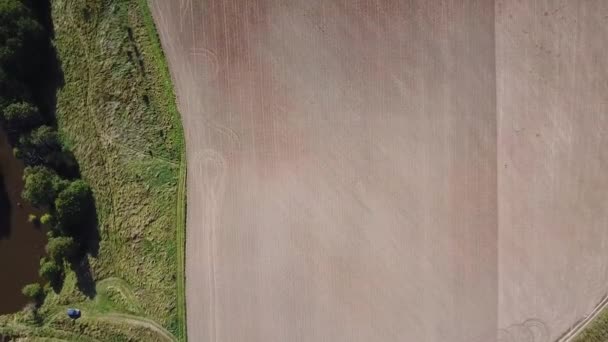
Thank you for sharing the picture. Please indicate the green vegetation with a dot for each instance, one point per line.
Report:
(33, 291)
(21, 116)
(596, 331)
(73, 205)
(60, 247)
(41, 186)
(27, 64)
(46, 219)
(116, 239)
(50, 270)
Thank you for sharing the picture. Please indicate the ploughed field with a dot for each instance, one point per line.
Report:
(391, 170)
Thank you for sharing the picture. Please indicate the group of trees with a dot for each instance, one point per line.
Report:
(51, 178)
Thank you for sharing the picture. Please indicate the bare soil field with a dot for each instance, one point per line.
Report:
(552, 109)
(390, 170)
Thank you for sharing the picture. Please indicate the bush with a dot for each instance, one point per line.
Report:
(41, 185)
(20, 36)
(39, 146)
(46, 219)
(43, 147)
(21, 116)
(44, 138)
(33, 291)
(49, 270)
(31, 218)
(59, 248)
(73, 204)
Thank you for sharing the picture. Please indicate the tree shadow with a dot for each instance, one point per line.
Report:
(5, 211)
(84, 277)
(57, 283)
(45, 84)
(47, 78)
(88, 240)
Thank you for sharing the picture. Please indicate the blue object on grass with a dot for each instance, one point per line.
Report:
(73, 313)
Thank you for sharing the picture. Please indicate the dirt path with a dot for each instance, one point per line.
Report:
(135, 321)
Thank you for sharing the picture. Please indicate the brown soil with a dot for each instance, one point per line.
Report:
(391, 170)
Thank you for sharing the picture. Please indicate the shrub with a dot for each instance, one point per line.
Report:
(46, 219)
(73, 204)
(49, 270)
(39, 146)
(33, 291)
(41, 185)
(20, 36)
(59, 248)
(44, 138)
(21, 116)
(31, 218)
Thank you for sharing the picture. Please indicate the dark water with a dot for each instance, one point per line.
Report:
(21, 243)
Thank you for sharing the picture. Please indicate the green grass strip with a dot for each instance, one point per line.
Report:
(159, 59)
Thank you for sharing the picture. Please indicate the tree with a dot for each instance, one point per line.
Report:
(21, 116)
(33, 291)
(43, 139)
(40, 146)
(19, 36)
(46, 219)
(73, 204)
(11, 89)
(61, 247)
(41, 185)
(49, 270)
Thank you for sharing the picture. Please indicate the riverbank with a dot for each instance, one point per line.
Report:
(116, 111)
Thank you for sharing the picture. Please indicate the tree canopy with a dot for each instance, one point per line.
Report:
(41, 185)
(20, 33)
(49, 270)
(73, 204)
(60, 247)
(21, 116)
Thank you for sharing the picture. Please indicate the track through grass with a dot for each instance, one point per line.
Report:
(117, 112)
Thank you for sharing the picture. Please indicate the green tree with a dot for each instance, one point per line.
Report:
(33, 291)
(61, 247)
(46, 219)
(44, 139)
(19, 36)
(20, 116)
(41, 185)
(74, 204)
(41, 146)
(11, 89)
(49, 270)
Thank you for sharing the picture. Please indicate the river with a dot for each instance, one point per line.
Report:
(21, 243)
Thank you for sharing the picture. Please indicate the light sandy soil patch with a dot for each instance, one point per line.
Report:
(341, 168)
(356, 171)
(552, 75)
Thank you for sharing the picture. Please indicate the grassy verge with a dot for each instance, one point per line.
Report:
(596, 331)
(159, 59)
(117, 113)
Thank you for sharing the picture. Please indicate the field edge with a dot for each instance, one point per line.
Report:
(159, 58)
